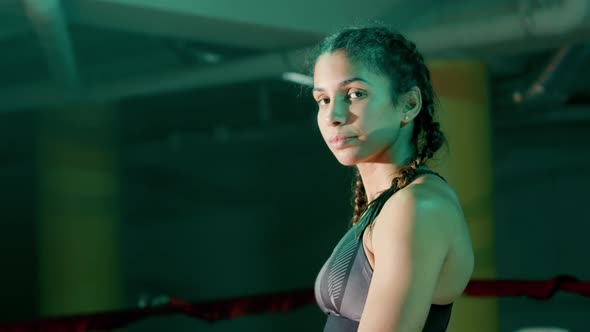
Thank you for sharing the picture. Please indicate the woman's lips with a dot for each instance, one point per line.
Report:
(342, 141)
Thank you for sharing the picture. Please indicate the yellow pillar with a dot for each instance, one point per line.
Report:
(464, 113)
(78, 230)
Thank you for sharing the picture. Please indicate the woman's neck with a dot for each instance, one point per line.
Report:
(378, 173)
(377, 178)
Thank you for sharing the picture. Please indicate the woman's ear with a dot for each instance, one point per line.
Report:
(412, 104)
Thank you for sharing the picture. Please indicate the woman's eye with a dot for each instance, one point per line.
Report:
(322, 100)
(351, 95)
(357, 93)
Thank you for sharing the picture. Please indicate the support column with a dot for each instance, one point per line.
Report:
(78, 230)
(464, 113)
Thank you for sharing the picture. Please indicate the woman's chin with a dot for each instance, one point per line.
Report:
(349, 156)
(347, 160)
(348, 163)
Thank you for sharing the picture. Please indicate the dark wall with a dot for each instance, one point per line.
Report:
(542, 216)
(18, 200)
(255, 216)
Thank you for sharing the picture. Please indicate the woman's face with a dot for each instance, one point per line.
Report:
(356, 115)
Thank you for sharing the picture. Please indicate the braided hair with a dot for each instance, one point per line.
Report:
(389, 53)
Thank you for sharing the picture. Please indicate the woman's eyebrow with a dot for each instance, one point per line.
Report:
(345, 82)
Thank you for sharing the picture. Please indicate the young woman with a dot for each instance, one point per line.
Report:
(407, 256)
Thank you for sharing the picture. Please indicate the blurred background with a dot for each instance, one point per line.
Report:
(169, 147)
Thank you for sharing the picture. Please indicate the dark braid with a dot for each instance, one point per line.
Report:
(359, 197)
(389, 53)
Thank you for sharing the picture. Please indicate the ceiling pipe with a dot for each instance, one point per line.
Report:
(559, 78)
(538, 87)
(554, 19)
(48, 20)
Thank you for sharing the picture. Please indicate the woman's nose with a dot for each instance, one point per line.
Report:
(337, 114)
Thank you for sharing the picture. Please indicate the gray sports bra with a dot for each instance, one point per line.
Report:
(342, 284)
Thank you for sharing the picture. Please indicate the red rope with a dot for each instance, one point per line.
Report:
(276, 302)
(541, 290)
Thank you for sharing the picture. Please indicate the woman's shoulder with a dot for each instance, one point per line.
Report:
(427, 202)
(431, 191)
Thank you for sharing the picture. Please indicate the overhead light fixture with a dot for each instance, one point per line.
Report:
(298, 78)
(209, 57)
